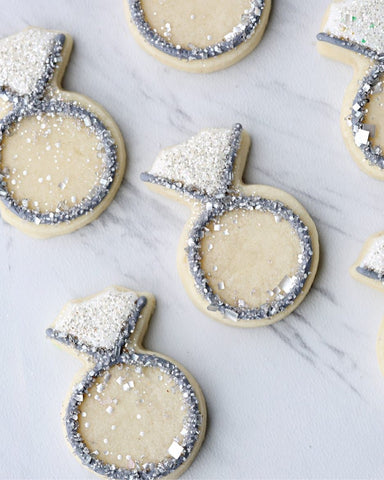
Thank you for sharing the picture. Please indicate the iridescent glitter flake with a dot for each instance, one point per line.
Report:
(28, 62)
(359, 26)
(240, 33)
(90, 327)
(174, 170)
(358, 21)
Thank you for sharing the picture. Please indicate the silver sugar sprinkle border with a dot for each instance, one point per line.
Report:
(105, 360)
(216, 209)
(196, 53)
(32, 105)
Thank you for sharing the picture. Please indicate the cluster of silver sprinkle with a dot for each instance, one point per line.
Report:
(224, 201)
(362, 132)
(239, 34)
(33, 105)
(214, 208)
(105, 359)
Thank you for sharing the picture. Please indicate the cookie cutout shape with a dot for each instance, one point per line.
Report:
(62, 156)
(369, 269)
(198, 36)
(249, 254)
(135, 414)
(352, 33)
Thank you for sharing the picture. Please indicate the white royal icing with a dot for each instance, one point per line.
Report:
(359, 21)
(374, 259)
(23, 59)
(97, 322)
(200, 162)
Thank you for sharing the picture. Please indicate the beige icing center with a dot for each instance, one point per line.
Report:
(249, 256)
(200, 23)
(51, 161)
(135, 417)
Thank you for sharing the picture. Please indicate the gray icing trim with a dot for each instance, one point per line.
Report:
(358, 115)
(353, 46)
(106, 360)
(369, 274)
(226, 201)
(26, 106)
(239, 35)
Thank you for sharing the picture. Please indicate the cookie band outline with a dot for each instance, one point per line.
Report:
(360, 130)
(230, 42)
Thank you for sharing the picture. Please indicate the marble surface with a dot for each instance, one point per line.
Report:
(301, 399)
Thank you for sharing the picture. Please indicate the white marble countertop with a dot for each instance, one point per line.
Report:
(301, 399)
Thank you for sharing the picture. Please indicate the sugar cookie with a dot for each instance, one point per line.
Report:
(135, 414)
(198, 36)
(249, 254)
(369, 269)
(357, 26)
(62, 156)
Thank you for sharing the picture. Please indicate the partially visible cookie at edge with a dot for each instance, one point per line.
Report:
(199, 36)
(62, 155)
(352, 33)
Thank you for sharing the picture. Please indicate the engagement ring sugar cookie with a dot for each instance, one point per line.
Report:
(62, 156)
(133, 414)
(199, 36)
(369, 269)
(353, 32)
(249, 254)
